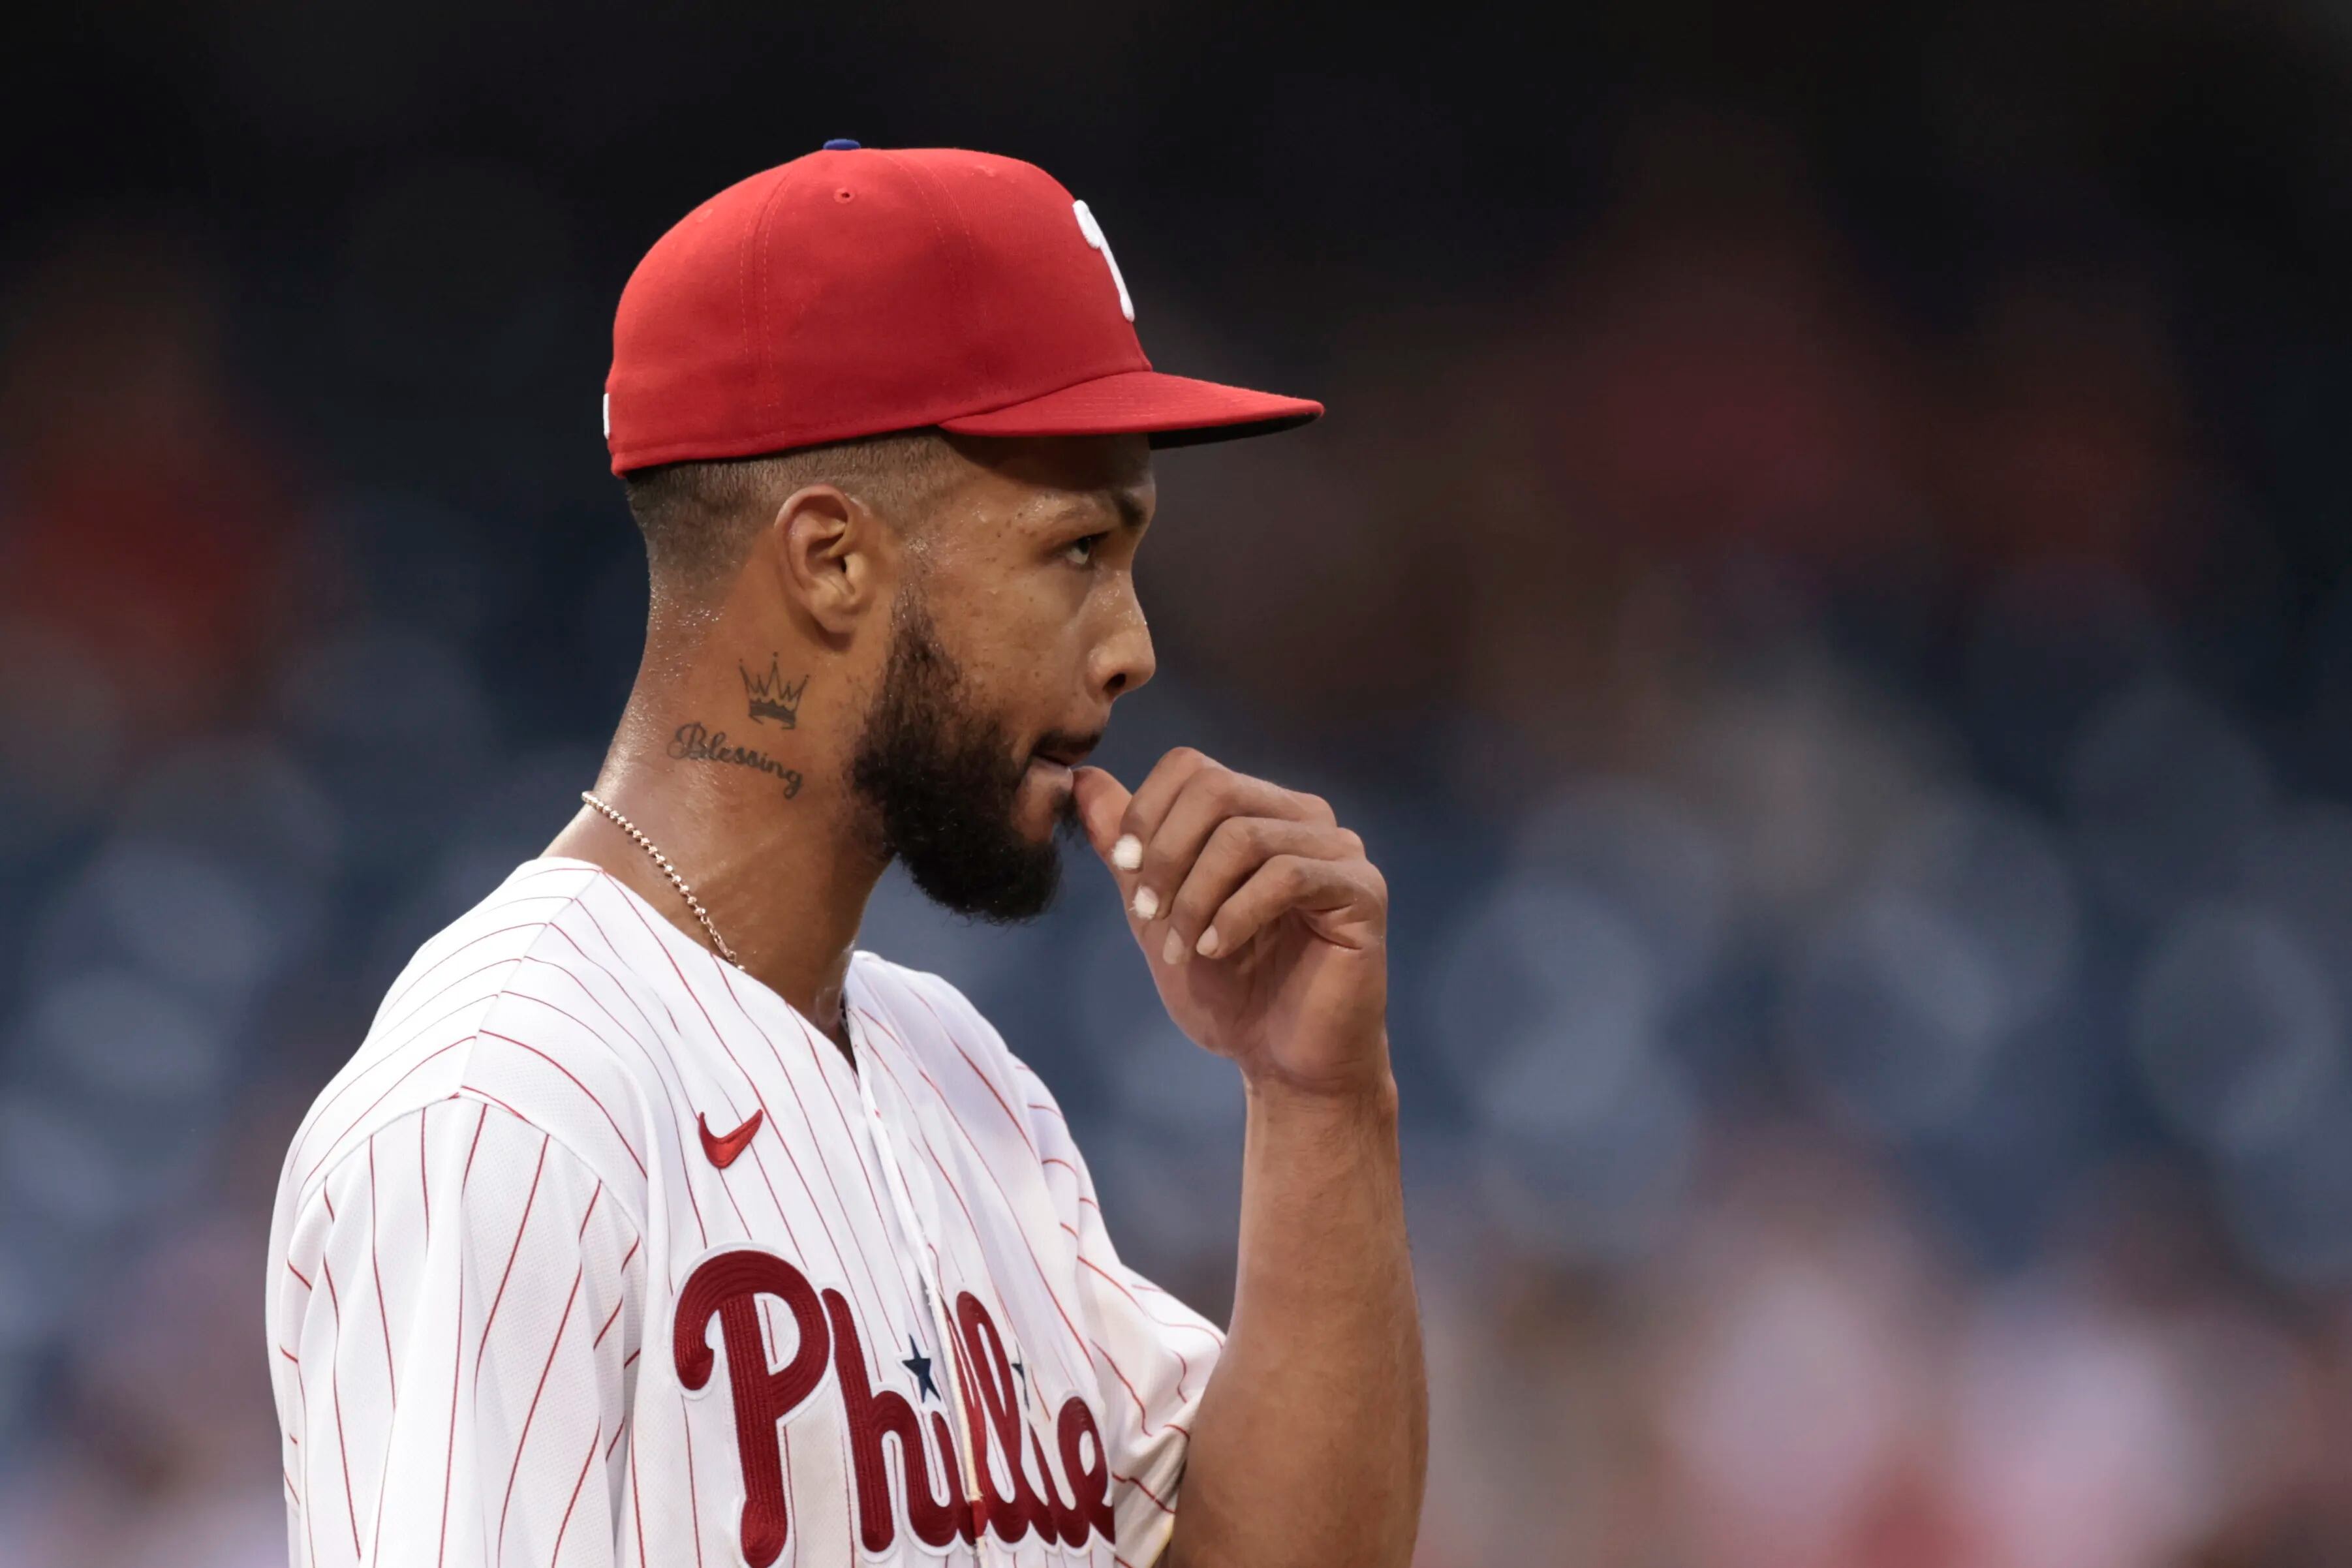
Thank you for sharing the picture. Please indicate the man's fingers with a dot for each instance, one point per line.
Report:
(1286, 881)
(1206, 855)
(1210, 797)
(1237, 848)
(1151, 801)
(1102, 803)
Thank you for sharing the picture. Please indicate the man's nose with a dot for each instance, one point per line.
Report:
(1123, 661)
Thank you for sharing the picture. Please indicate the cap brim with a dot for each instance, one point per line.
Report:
(1174, 410)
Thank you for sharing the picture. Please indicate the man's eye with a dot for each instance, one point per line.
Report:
(1081, 551)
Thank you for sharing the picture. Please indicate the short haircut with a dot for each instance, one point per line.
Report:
(699, 518)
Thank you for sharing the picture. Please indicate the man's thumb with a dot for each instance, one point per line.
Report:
(1102, 804)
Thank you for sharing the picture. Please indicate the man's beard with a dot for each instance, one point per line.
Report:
(943, 779)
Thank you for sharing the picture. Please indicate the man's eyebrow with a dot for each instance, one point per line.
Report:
(1126, 506)
(1130, 506)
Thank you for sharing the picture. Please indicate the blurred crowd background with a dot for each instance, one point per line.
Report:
(1824, 585)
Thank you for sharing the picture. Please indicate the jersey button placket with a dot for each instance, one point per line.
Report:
(894, 1178)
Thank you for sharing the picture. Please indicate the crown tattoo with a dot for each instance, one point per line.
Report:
(771, 696)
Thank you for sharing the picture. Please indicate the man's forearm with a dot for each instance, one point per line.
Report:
(1313, 1434)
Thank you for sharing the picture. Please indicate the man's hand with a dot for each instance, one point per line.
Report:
(1265, 927)
(1267, 931)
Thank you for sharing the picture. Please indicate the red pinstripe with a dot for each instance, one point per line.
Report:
(986, 1082)
(456, 1363)
(1121, 1286)
(693, 1502)
(386, 1013)
(693, 1202)
(626, 1033)
(734, 1203)
(520, 1226)
(382, 1312)
(637, 1504)
(577, 870)
(1141, 1413)
(297, 1274)
(608, 1322)
(624, 1273)
(378, 1101)
(759, 1164)
(383, 1321)
(522, 1439)
(630, 1035)
(1147, 1491)
(544, 963)
(424, 1182)
(471, 1149)
(584, 1026)
(557, 1555)
(485, 1094)
(391, 1053)
(302, 1392)
(621, 986)
(589, 1213)
(335, 1396)
(567, 1072)
(488, 993)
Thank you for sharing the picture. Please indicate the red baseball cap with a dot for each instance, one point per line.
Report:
(854, 291)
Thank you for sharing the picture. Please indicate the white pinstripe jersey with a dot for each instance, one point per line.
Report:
(597, 1253)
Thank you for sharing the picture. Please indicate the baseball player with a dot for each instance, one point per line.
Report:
(653, 1223)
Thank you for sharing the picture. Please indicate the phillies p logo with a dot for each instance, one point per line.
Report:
(728, 1285)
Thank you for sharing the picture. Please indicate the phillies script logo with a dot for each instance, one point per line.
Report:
(727, 1285)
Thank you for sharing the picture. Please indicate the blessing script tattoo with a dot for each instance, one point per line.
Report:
(696, 742)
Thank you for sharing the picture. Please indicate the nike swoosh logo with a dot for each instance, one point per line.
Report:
(722, 1151)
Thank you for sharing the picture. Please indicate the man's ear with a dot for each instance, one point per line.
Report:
(833, 556)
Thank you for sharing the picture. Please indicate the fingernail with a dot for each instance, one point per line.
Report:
(1147, 904)
(1172, 950)
(1207, 945)
(1128, 853)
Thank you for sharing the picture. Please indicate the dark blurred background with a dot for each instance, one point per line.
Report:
(1823, 584)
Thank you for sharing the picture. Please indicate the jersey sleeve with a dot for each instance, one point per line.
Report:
(450, 1315)
(1153, 1353)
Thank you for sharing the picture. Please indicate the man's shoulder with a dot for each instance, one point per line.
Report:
(539, 900)
(541, 1000)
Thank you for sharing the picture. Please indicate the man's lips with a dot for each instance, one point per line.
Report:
(1054, 758)
(1054, 777)
(1063, 752)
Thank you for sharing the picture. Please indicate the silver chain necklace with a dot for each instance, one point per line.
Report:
(670, 871)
